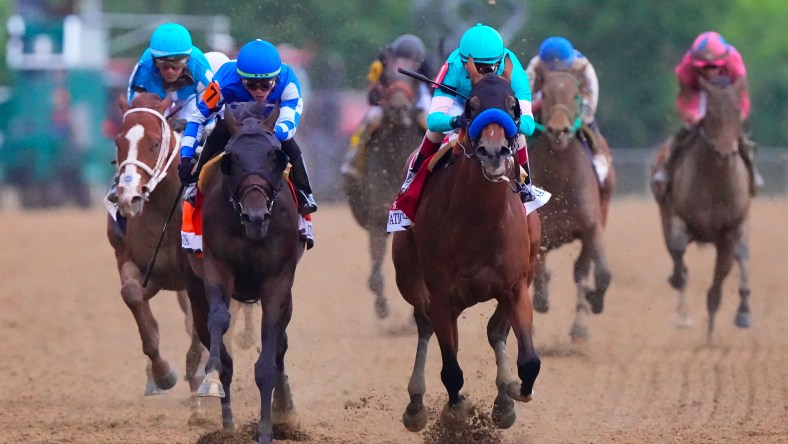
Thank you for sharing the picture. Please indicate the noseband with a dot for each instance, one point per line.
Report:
(163, 162)
(269, 198)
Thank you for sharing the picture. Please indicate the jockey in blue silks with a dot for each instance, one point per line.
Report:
(485, 45)
(170, 66)
(258, 75)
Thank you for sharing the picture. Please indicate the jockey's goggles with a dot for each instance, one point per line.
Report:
(484, 68)
(261, 84)
(171, 62)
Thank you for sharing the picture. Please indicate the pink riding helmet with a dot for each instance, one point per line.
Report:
(709, 48)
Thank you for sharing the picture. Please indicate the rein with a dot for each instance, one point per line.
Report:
(163, 162)
(400, 85)
(561, 107)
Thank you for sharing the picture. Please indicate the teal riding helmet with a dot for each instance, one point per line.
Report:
(483, 43)
(258, 59)
(170, 40)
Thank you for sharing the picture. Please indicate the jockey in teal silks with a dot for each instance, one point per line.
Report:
(485, 45)
(170, 66)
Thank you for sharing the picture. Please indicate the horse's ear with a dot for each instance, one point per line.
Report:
(229, 119)
(164, 105)
(270, 121)
(227, 164)
(473, 73)
(507, 68)
(123, 103)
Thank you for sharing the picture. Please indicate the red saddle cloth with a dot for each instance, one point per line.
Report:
(408, 203)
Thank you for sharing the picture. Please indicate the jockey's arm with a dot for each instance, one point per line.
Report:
(522, 92)
(133, 84)
(438, 119)
(209, 105)
(744, 100)
(290, 106)
(687, 103)
(590, 84)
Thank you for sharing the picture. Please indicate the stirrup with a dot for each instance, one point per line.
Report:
(306, 203)
(525, 193)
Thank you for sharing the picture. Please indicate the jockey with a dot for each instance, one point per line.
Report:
(558, 54)
(170, 66)
(709, 56)
(258, 75)
(405, 47)
(485, 45)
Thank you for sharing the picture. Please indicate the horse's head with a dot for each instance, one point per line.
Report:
(145, 149)
(253, 165)
(399, 92)
(722, 126)
(561, 108)
(493, 114)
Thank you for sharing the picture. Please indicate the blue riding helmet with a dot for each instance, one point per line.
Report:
(483, 43)
(170, 40)
(557, 53)
(258, 59)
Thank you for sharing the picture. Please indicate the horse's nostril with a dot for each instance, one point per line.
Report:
(245, 219)
(505, 151)
(482, 151)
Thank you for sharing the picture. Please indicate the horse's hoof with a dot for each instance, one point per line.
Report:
(455, 416)
(211, 386)
(228, 424)
(381, 308)
(168, 381)
(743, 320)
(579, 334)
(513, 390)
(682, 322)
(541, 303)
(503, 413)
(152, 390)
(597, 300)
(415, 420)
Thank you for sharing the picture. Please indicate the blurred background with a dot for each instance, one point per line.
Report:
(65, 62)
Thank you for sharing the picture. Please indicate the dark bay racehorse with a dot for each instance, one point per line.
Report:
(471, 242)
(708, 201)
(396, 134)
(251, 247)
(579, 207)
(146, 147)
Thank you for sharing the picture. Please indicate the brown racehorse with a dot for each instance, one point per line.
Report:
(146, 147)
(471, 242)
(579, 207)
(708, 201)
(370, 195)
(251, 247)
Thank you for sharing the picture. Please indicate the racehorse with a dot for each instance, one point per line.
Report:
(708, 201)
(394, 136)
(145, 149)
(578, 211)
(251, 247)
(472, 242)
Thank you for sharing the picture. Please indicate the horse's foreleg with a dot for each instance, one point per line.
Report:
(741, 251)
(456, 410)
(283, 409)
(582, 268)
(528, 363)
(722, 267)
(160, 375)
(275, 312)
(602, 274)
(498, 327)
(676, 239)
(377, 250)
(218, 370)
(541, 283)
(415, 416)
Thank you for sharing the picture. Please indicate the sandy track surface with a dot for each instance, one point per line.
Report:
(73, 368)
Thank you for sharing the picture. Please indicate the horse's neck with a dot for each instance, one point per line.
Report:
(474, 196)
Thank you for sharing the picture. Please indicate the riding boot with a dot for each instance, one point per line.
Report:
(526, 191)
(112, 195)
(426, 149)
(300, 178)
(353, 163)
(592, 137)
(748, 149)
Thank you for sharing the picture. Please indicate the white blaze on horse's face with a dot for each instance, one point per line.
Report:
(128, 187)
(494, 152)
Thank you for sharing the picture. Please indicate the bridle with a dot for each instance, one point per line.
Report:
(269, 198)
(163, 161)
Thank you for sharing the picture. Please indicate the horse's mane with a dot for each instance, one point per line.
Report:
(253, 111)
(145, 100)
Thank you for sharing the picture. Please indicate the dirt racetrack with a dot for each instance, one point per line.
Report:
(73, 368)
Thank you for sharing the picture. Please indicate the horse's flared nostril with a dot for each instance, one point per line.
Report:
(505, 151)
(481, 151)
